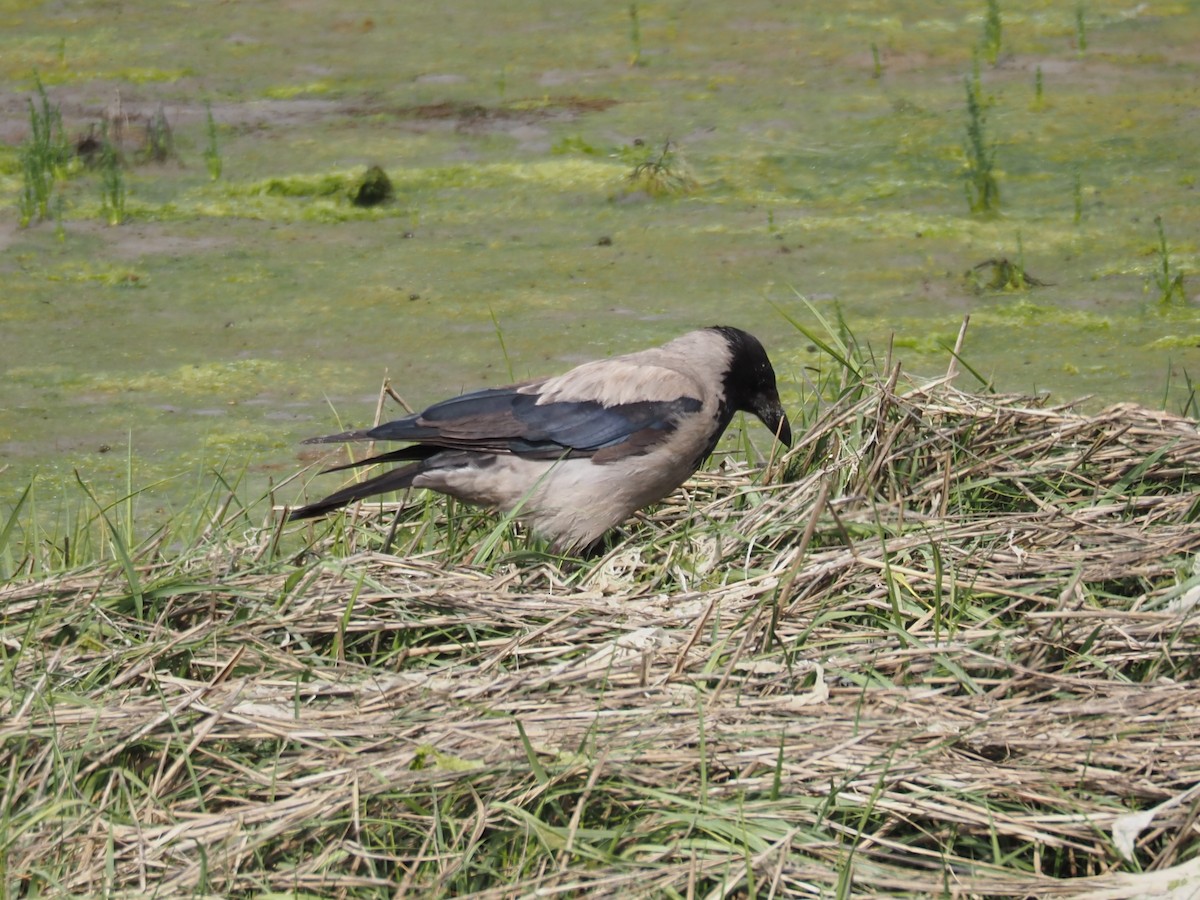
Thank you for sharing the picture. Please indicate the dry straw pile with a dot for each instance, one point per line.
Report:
(948, 647)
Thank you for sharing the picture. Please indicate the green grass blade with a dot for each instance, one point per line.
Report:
(120, 549)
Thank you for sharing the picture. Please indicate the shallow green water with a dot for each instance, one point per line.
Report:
(223, 320)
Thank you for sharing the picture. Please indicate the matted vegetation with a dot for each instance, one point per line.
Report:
(944, 648)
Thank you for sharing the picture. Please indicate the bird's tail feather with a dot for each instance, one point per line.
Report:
(394, 480)
(342, 437)
(416, 451)
(406, 429)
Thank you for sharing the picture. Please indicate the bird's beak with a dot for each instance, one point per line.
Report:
(770, 411)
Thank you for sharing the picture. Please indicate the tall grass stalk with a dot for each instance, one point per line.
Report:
(112, 182)
(977, 77)
(160, 139)
(212, 150)
(60, 216)
(983, 192)
(992, 31)
(1077, 195)
(1167, 279)
(121, 546)
(635, 36)
(1190, 407)
(8, 563)
(44, 156)
(503, 347)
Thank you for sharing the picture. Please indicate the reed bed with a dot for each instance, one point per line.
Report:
(948, 646)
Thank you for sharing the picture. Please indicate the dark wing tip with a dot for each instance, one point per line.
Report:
(336, 438)
(393, 480)
(312, 511)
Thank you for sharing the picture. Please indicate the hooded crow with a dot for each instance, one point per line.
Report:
(577, 454)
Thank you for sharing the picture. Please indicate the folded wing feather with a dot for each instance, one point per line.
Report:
(513, 420)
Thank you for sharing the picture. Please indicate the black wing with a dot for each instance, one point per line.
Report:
(506, 420)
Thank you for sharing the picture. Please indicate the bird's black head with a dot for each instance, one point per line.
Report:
(750, 382)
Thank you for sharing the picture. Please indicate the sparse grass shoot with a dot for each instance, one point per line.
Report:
(635, 36)
(212, 150)
(1166, 279)
(160, 139)
(44, 156)
(112, 182)
(661, 174)
(1077, 195)
(1190, 406)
